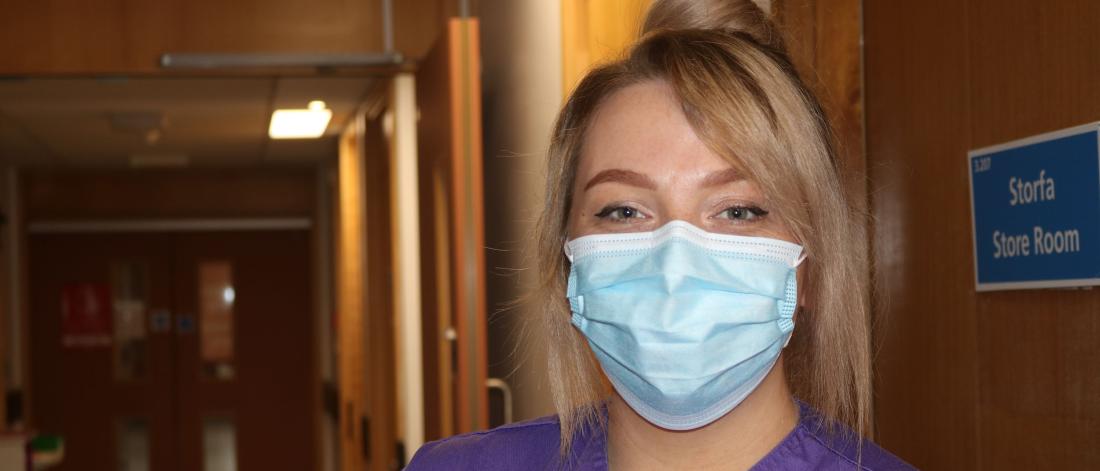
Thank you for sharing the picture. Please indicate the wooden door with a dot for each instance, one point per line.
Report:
(452, 236)
(100, 393)
(227, 380)
(245, 367)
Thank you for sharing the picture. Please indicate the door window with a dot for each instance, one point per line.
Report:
(216, 299)
(219, 444)
(130, 295)
(132, 439)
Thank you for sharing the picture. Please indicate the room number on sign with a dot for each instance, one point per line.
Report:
(982, 164)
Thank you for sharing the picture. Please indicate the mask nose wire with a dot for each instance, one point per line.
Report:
(676, 224)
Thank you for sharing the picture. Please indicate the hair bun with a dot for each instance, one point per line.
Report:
(743, 16)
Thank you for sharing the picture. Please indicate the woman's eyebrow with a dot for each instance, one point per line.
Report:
(722, 177)
(628, 177)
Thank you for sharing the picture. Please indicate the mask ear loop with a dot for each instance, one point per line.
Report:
(797, 308)
(790, 335)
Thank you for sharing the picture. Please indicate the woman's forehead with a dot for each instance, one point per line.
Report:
(643, 128)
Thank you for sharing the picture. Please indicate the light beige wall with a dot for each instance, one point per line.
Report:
(522, 83)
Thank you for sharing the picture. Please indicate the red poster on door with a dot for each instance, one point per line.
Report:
(86, 315)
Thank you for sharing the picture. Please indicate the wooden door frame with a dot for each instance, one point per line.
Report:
(450, 160)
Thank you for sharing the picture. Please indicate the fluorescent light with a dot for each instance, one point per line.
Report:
(300, 123)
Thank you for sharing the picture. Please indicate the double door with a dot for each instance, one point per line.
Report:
(174, 351)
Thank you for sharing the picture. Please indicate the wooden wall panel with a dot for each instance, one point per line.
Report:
(824, 42)
(926, 368)
(364, 301)
(596, 31)
(110, 36)
(380, 374)
(1003, 380)
(120, 36)
(351, 318)
(1034, 68)
(434, 134)
(469, 223)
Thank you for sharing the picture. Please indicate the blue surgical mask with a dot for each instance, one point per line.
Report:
(685, 323)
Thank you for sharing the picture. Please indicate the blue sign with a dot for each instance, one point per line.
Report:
(1035, 205)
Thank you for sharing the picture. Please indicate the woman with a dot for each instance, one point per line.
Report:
(695, 221)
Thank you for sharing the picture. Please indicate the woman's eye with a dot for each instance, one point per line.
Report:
(743, 213)
(619, 213)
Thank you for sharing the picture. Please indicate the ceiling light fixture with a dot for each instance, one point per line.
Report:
(300, 123)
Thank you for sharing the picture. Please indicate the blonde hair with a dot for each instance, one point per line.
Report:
(727, 66)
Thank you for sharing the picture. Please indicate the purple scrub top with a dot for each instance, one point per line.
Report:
(533, 445)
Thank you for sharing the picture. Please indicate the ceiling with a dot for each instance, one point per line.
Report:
(97, 122)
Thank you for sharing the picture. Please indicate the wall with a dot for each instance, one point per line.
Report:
(61, 194)
(521, 86)
(117, 36)
(1001, 380)
(364, 299)
(350, 278)
(823, 38)
(595, 31)
(6, 324)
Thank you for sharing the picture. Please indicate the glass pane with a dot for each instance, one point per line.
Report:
(219, 444)
(216, 299)
(130, 292)
(133, 445)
